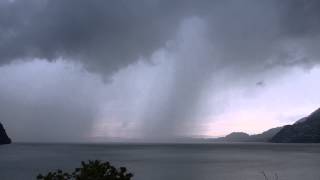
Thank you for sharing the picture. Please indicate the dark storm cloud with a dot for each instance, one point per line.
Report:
(254, 35)
(107, 35)
(301, 18)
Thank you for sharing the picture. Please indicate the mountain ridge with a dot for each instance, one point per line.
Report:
(306, 130)
(244, 137)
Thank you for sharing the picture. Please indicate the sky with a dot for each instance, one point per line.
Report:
(87, 71)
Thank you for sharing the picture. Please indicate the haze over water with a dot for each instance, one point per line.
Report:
(169, 161)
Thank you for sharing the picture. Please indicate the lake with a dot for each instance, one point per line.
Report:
(230, 161)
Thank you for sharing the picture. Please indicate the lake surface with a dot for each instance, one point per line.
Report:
(241, 161)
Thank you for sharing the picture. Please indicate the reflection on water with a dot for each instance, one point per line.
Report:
(168, 161)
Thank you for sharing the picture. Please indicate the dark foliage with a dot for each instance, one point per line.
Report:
(92, 170)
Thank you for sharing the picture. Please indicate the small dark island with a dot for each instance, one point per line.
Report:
(4, 139)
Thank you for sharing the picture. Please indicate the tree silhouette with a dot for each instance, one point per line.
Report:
(93, 170)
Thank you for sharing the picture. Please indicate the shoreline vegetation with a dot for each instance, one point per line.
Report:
(91, 170)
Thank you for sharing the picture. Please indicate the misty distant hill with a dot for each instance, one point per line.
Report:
(266, 136)
(306, 130)
(234, 137)
(4, 139)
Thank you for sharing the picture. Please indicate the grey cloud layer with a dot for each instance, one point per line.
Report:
(105, 35)
(108, 35)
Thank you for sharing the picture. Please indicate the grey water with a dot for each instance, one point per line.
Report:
(240, 161)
